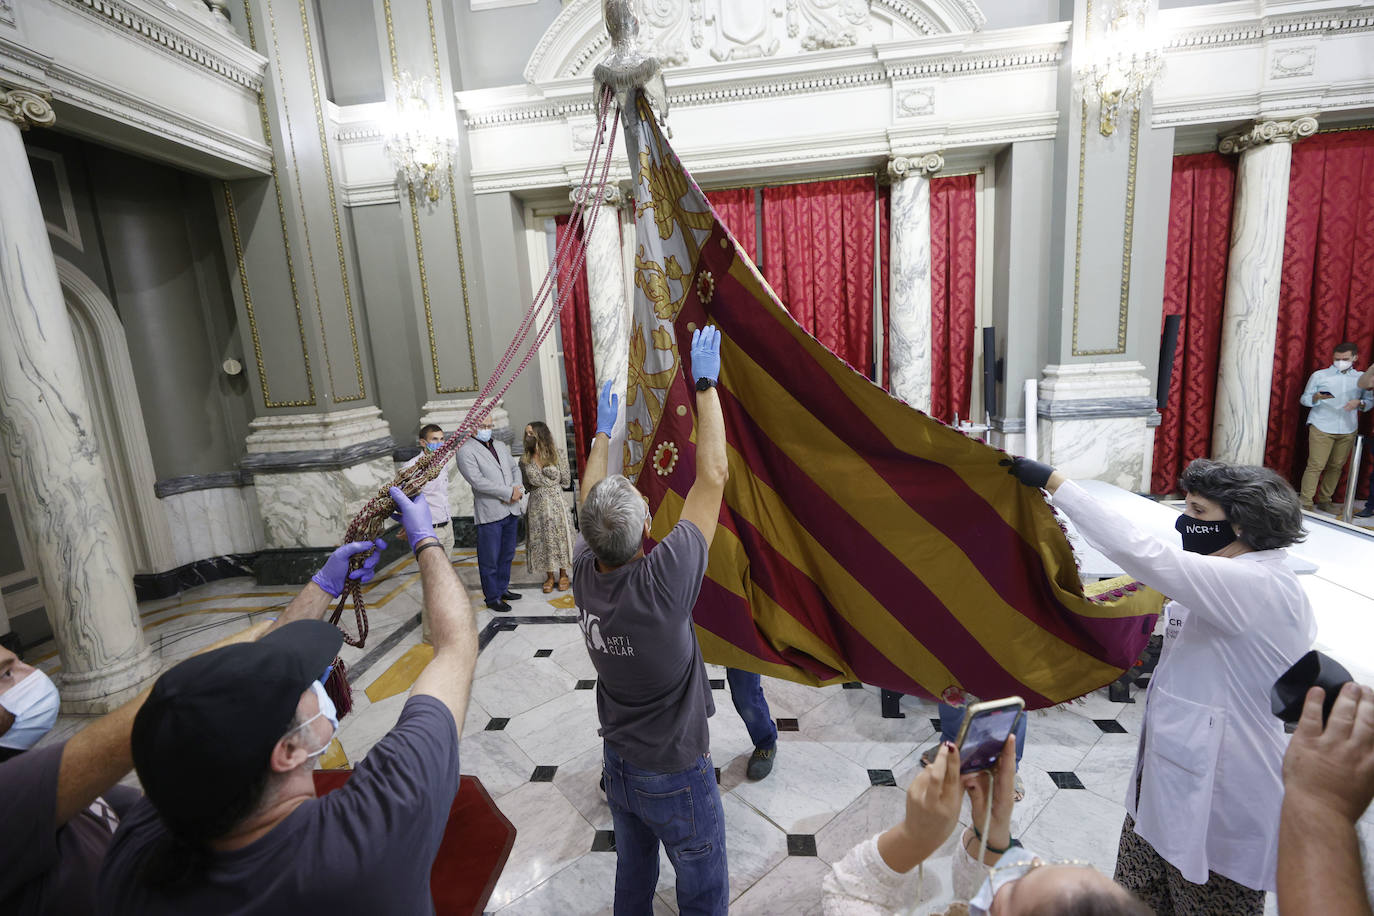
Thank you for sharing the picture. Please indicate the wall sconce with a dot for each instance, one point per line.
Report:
(419, 140)
(1119, 65)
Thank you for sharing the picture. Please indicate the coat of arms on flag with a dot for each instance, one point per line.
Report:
(859, 539)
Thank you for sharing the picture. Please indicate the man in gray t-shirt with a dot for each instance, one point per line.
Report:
(652, 694)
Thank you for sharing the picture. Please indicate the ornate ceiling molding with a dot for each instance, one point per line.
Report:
(219, 53)
(697, 32)
(1209, 37)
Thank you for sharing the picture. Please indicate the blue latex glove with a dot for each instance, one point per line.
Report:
(706, 353)
(607, 409)
(414, 517)
(334, 572)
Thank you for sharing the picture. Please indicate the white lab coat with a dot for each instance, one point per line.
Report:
(1211, 752)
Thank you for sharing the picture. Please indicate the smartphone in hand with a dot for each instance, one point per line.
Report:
(984, 731)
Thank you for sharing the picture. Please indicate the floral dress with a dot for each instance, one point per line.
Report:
(549, 547)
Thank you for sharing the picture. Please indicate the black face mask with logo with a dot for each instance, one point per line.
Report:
(1204, 537)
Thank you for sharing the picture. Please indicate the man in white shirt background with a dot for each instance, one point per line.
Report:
(1335, 397)
(436, 491)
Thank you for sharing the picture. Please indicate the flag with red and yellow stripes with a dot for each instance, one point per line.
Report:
(859, 538)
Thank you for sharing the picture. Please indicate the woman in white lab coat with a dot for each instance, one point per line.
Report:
(1202, 824)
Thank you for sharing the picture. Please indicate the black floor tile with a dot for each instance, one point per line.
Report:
(717, 775)
(787, 725)
(935, 724)
(585, 685)
(495, 725)
(717, 683)
(1110, 726)
(543, 653)
(853, 685)
(801, 844)
(881, 778)
(1066, 780)
(543, 774)
(604, 841)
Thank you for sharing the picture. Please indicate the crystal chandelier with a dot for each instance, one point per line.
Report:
(1120, 64)
(419, 142)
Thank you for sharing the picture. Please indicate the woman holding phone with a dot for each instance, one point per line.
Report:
(1201, 831)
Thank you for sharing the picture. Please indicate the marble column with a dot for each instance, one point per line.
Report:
(610, 309)
(909, 277)
(47, 434)
(1251, 317)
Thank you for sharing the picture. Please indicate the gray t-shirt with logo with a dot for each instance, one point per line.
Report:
(652, 693)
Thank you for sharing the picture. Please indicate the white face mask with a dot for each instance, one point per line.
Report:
(1343, 364)
(327, 711)
(1011, 867)
(33, 702)
(482, 435)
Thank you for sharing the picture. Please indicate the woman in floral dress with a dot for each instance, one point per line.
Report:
(549, 548)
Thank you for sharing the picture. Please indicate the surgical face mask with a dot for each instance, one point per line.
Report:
(1343, 364)
(327, 712)
(1014, 865)
(483, 435)
(33, 702)
(433, 446)
(1204, 537)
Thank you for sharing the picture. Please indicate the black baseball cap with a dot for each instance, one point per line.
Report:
(208, 727)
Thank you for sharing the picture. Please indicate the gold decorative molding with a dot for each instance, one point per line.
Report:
(27, 108)
(439, 387)
(286, 247)
(252, 319)
(334, 214)
(1261, 133)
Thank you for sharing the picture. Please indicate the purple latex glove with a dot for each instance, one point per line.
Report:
(334, 572)
(607, 409)
(414, 517)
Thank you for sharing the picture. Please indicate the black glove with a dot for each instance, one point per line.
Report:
(1031, 473)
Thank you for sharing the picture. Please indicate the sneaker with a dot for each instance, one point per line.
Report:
(1367, 511)
(512, 596)
(761, 763)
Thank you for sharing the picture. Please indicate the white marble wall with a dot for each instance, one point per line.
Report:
(46, 433)
(1250, 323)
(312, 508)
(909, 325)
(610, 309)
(215, 522)
(1077, 432)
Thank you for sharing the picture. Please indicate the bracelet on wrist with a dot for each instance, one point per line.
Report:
(1012, 842)
(426, 544)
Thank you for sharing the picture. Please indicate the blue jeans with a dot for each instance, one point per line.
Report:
(495, 552)
(951, 717)
(681, 810)
(746, 691)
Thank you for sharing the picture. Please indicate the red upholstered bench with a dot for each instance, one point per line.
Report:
(476, 844)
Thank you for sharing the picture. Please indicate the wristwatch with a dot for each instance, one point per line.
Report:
(704, 383)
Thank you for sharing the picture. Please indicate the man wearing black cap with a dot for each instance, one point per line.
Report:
(225, 747)
(60, 804)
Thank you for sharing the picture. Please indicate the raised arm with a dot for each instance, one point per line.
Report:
(99, 755)
(1328, 780)
(1366, 379)
(702, 506)
(607, 409)
(453, 628)
(314, 600)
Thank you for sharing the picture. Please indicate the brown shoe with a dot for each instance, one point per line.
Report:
(1329, 508)
(563, 583)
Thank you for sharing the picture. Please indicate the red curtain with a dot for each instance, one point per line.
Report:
(818, 257)
(953, 271)
(884, 278)
(736, 211)
(1327, 293)
(1195, 289)
(575, 329)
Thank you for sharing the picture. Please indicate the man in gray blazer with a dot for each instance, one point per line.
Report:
(494, 475)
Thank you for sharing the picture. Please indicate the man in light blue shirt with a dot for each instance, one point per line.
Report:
(1334, 395)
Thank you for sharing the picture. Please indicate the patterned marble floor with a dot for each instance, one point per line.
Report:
(530, 735)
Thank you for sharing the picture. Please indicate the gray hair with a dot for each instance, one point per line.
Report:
(1260, 504)
(612, 520)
